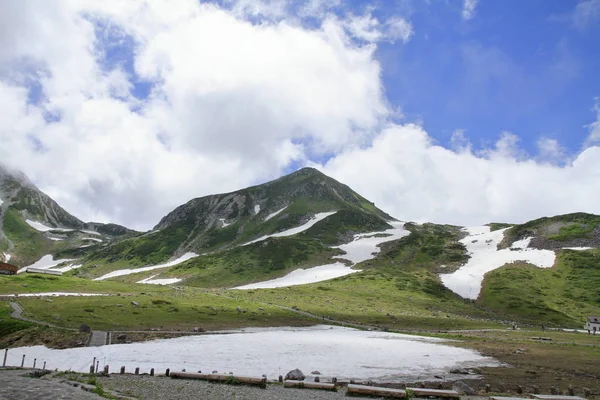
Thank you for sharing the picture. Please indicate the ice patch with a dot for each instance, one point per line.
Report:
(123, 272)
(363, 247)
(482, 245)
(166, 281)
(38, 226)
(46, 262)
(335, 351)
(275, 213)
(293, 231)
(256, 209)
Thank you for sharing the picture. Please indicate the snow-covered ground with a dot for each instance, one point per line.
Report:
(93, 239)
(275, 213)
(363, 247)
(334, 351)
(7, 257)
(68, 268)
(256, 209)
(165, 281)
(303, 276)
(43, 228)
(90, 232)
(46, 262)
(482, 245)
(123, 272)
(223, 223)
(293, 231)
(53, 294)
(56, 239)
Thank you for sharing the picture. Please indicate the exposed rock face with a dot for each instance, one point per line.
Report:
(463, 389)
(295, 375)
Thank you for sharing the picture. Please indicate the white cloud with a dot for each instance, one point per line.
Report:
(468, 10)
(586, 11)
(405, 173)
(234, 103)
(594, 127)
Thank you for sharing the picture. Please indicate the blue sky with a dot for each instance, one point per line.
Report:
(122, 111)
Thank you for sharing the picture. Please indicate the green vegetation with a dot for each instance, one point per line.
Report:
(563, 295)
(494, 226)
(29, 244)
(561, 228)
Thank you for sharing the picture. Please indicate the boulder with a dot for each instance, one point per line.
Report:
(135, 303)
(121, 337)
(463, 389)
(316, 373)
(85, 328)
(295, 375)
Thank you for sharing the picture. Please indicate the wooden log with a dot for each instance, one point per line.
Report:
(556, 397)
(309, 385)
(376, 391)
(425, 392)
(507, 398)
(248, 380)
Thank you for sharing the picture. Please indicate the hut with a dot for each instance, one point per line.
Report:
(42, 271)
(593, 324)
(8, 269)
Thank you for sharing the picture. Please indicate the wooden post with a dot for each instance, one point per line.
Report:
(44, 367)
(122, 370)
(91, 369)
(106, 369)
(23, 361)
(280, 378)
(5, 355)
(97, 364)
(167, 372)
(94, 361)
(137, 370)
(151, 371)
(34, 362)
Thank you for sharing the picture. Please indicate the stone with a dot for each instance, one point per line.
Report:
(459, 371)
(121, 336)
(463, 388)
(295, 375)
(135, 303)
(85, 328)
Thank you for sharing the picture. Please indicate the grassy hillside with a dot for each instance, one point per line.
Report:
(563, 295)
(29, 244)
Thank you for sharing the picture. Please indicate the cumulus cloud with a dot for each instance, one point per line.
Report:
(468, 10)
(122, 111)
(586, 12)
(594, 127)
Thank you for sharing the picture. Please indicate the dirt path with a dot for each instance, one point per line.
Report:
(98, 338)
(18, 314)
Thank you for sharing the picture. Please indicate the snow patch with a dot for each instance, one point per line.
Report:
(94, 239)
(38, 226)
(223, 223)
(53, 294)
(482, 244)
(1, 201)
(122, 272)
(578, 248)
(275, 213)
(293, 231)
(90, 232)
(256, 209)
(56, 239)
(46, 262)
(7, 257)
(335, 351)
(165, 281)
(363, 247)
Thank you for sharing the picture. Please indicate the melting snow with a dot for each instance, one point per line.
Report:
(293, 231)
(43, 228)
(275, 213)
(46, 262)
(363, 247)
(53, 294)
(90, 232)
(578, 248)
(56, 239)
(224, 224)
(91, 238)
(335, 351)
(68, 267)
(481, 245)
(256, 209)
(6, 257)
(1, 202)
(123, 272)
(166, 281)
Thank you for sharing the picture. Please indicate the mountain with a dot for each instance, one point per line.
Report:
(32, 224)
(330, 212)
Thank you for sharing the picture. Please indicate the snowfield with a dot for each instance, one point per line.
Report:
(274, 213)
(482, 245)
(293, 231)
(122, 272)
(363, 247)
(223, 223)
(341, 352)
(38, 226)
(166, 281)
(46, 262)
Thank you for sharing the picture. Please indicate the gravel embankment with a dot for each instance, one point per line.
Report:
(161, 388)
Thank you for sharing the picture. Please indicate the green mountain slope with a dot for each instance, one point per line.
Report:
(54, 230)
(218, 222)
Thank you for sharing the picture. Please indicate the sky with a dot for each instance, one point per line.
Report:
(449, 111)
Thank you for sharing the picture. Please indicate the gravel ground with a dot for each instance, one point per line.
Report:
(161, 388)
(17, 385)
